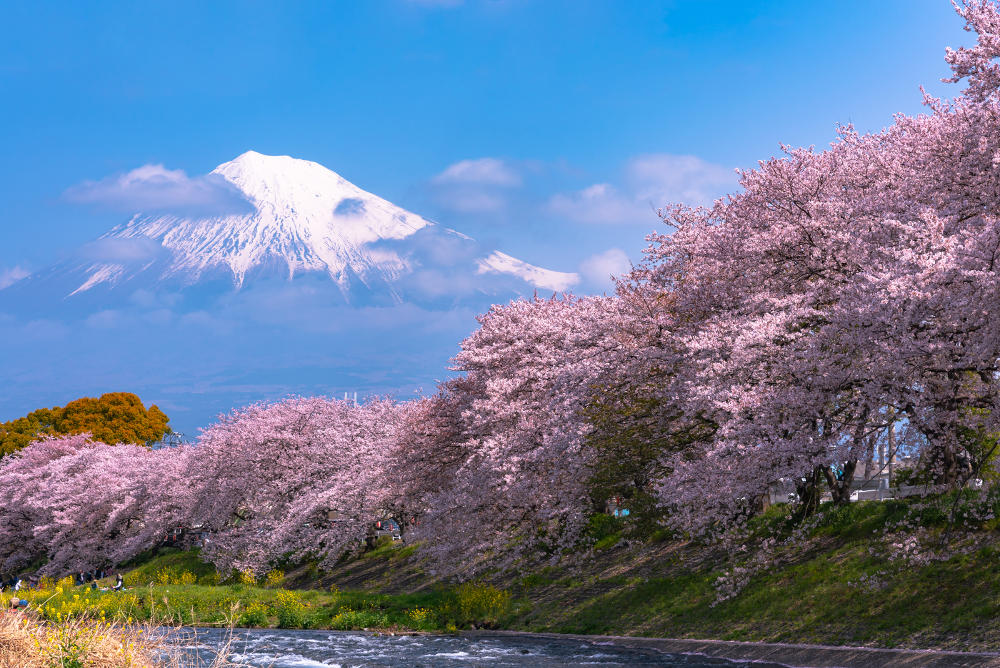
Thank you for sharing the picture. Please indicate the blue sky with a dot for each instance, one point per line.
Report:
(391, 93)
(548, 128)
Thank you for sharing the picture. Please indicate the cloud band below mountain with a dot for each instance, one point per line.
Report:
(154, 188)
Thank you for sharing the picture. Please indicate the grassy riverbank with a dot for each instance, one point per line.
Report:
(890, 574)
(852, 576)
(177, 589)
(886, 574)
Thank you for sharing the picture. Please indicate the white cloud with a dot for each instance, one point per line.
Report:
(153, 300)
(662, 179)
(469, 200)
(106, 319)
(44, 329)
(432, 246)
(598, 269)
(601, 203)
(154, 188)
(481, 171)
(476, 186)
(11, 276)
(434, 283)
(650, 183)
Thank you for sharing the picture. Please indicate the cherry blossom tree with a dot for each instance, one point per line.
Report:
(838, 288)
(978, 64)
(348, 484)
(80, 505)
(156, 497)
(26, 478)
(514, 479)
(89, 504)
(304, 476)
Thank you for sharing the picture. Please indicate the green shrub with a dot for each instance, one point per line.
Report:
(274, 579)
(290, 610)
(533, 580)
(602, 525)
(423, 619)
(607, 542)
(211, 579)
(255, 615)
(478, 604)
(169, 576)
(347, 620)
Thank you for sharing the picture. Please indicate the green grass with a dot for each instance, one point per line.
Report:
(836, 585)
(164, 592)
(386, 549)
(833, 583)
(172, 560)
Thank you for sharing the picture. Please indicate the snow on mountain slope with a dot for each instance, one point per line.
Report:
(501, 263)
(302, 218)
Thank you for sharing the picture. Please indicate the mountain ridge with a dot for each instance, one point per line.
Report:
(299, 218)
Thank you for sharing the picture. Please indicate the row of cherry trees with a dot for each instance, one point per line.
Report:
(840, 299)
(265, 481)
(843, 291)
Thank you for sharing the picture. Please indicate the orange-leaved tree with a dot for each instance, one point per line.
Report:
(115, 417)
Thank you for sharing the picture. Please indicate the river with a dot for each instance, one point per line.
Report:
(279, 648)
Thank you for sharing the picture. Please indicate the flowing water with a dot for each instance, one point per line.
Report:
(277, 648)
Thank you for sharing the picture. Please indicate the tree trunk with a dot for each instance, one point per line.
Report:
(808, 490)
(840, 485)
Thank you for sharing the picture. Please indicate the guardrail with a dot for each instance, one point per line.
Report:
(784, 493)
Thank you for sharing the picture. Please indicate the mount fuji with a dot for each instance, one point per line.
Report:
(268, 277)
(292, 219)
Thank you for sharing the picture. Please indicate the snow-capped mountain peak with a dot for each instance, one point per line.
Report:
(295, 217)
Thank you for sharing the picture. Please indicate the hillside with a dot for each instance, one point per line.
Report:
(834, 585)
